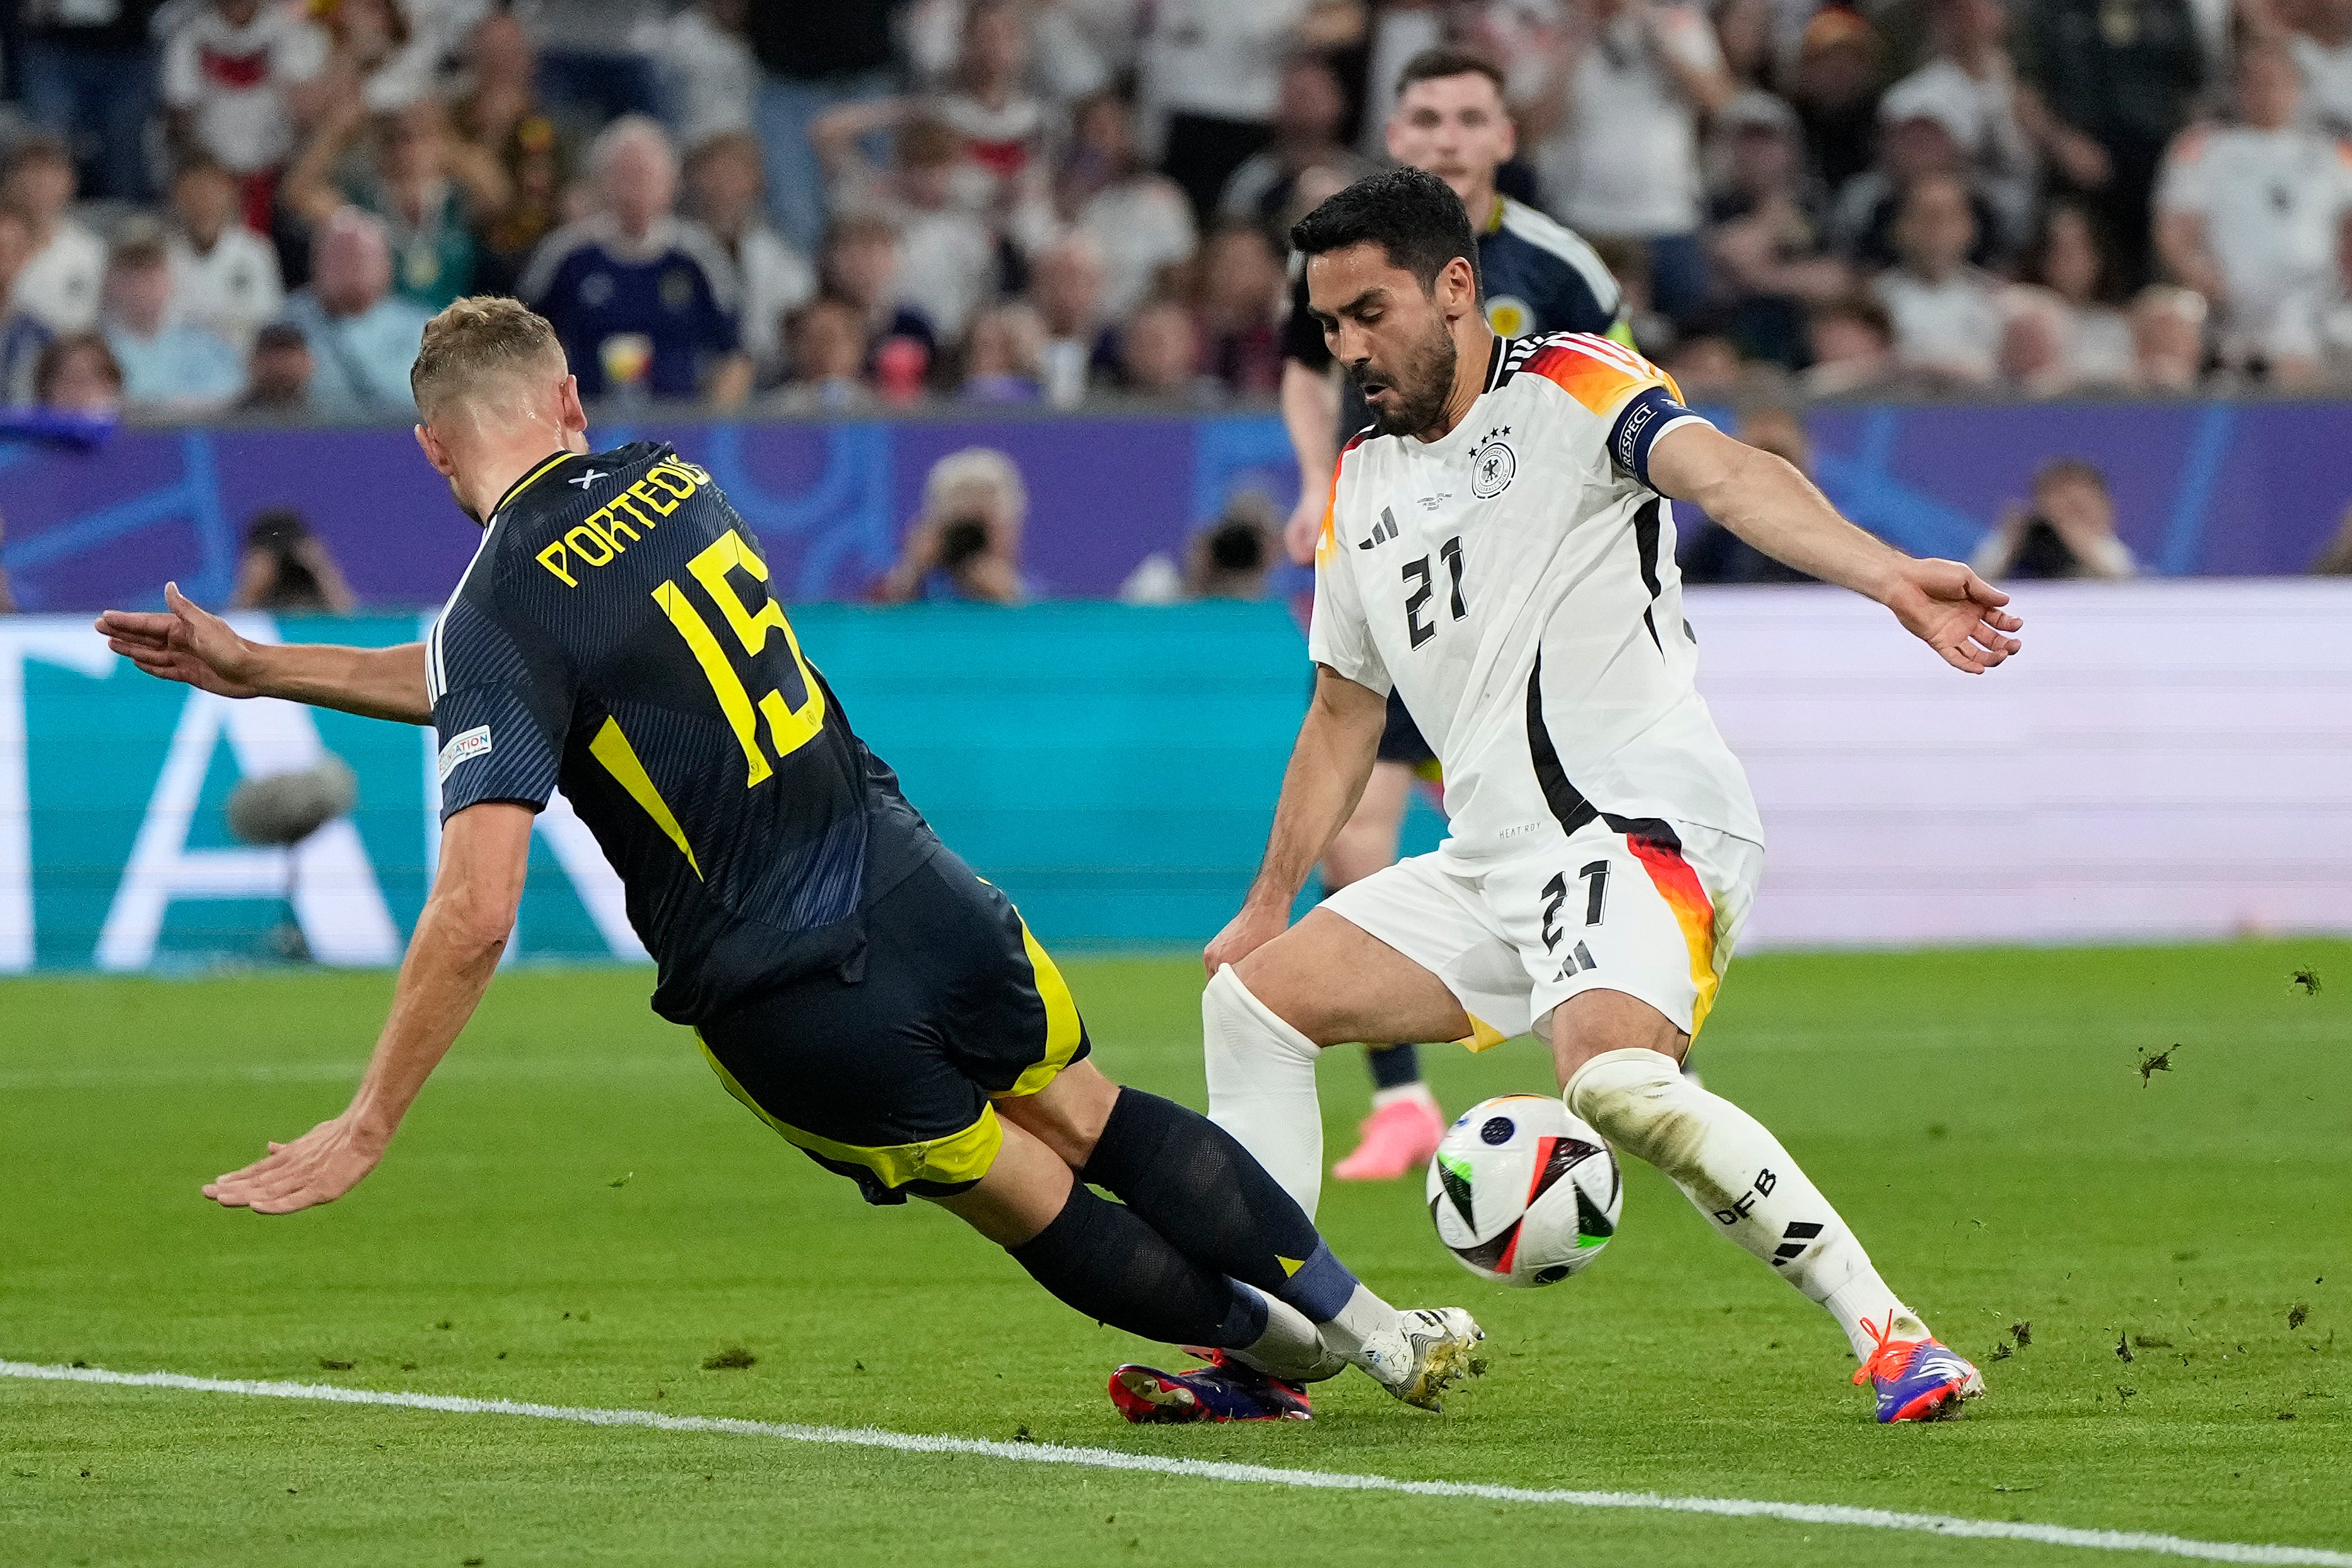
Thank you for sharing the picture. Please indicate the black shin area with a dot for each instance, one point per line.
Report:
(1393, 1067)
(1202, 1191)
(1108, 1263)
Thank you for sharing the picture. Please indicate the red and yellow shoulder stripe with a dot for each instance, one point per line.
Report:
(1598, 373)
(1330, 507)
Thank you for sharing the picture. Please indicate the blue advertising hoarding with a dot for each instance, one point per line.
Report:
(1113, 769)
(2202, 488)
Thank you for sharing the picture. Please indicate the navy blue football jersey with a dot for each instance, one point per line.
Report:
(677, 290)
(1534, 275)
(615, 638)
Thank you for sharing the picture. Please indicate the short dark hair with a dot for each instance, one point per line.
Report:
(138, 240)
(1411, 214)
(278, 337)
(2069, 470)
(52, 362)
(279, 530)
(38, 148)
(203, 164)
(1861, 310)
(1435, 65)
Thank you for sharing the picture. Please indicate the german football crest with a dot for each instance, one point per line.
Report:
(1491, 465)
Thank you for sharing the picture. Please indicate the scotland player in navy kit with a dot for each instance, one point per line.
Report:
(852, 982)
(634, 281)
(1536, 278)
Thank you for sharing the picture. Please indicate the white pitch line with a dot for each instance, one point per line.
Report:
(1213, 1470)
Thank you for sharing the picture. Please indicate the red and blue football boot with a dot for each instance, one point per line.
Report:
(1916, 1380)
(1225, 1392)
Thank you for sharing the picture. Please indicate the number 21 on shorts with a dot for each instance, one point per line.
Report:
(1595, 877)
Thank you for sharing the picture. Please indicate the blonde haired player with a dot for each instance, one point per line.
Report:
(1499, 549)
(851, 981)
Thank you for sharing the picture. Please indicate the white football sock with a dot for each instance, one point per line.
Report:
(1736, 1172)
(1291, 1348)
(1262, 1086)
(1371, 1333)
(1865, 1299)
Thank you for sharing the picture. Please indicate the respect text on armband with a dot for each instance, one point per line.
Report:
(606, 534)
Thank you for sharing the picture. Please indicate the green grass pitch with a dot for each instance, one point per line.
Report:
(577, 1213)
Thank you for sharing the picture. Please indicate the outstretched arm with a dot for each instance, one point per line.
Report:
(1769, 504)
(1337, 746)
(1310, 411)
(450, 962)
(194, 646)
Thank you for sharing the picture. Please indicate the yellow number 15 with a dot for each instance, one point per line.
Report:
(788, 728)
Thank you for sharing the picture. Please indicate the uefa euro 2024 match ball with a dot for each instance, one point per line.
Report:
(1523, 1193)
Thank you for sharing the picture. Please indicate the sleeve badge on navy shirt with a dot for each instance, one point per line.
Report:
(465, 748)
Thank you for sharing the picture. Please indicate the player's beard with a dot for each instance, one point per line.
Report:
(1424, 382)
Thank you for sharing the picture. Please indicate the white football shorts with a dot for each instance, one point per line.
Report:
(1643, 907)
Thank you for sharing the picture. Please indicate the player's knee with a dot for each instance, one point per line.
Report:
(1627, 1095)
(1233, 1010)
(1068, 1114)
(1596, 1022)
(1289, 991)
(1017, 1196)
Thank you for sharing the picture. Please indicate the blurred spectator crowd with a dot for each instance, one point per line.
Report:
(216, 206)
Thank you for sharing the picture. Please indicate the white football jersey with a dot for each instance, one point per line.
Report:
(1514, 582)
(2273, 202)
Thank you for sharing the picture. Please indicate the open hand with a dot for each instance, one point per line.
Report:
(317, 1168)
(185, 643)
(1247, 931)
(1955, 612)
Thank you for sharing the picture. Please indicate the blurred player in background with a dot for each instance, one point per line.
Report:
(852, 982)
(1500, 549)
(1450, 121)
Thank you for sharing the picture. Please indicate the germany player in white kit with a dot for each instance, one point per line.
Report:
(1500, 549)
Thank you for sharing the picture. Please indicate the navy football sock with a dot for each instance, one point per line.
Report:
(1195, 1186)
(1104, 1261)
(1393, 1067)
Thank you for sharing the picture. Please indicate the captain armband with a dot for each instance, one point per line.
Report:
(1649, 415)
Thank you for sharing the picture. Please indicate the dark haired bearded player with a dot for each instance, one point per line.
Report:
(852, 982)
(1535, 277)
(1499, 549)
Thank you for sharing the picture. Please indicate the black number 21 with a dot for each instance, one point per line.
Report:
(1595, 877)
(1418, 573)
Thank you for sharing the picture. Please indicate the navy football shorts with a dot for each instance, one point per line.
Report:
(887, 1078)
